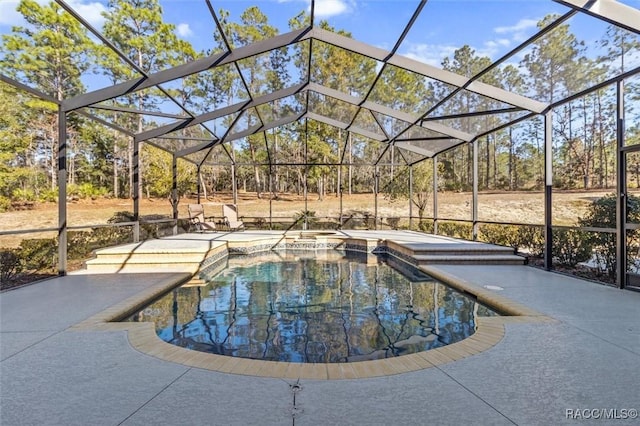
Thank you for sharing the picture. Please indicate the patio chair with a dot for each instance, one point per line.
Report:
(198, 219)
(230, 213)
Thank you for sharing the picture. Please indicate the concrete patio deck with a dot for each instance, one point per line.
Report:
(588, 358)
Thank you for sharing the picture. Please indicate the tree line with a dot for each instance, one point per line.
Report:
(56, 55)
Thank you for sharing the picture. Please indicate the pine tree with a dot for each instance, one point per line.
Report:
(50, 53)
(137, 29)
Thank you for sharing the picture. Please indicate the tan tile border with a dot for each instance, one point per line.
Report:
(486, 297)
(142, 337)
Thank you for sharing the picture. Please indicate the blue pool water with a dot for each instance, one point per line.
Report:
(314, 307)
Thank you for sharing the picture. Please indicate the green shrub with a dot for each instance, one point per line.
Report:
(571, 246)
(48, 195)
(520, 237)
(279, 226)
(86, 190)
(184, 224)
(351, 220)
(119, 217)
(426, 226)
(308, 215)
(106, 236)
(39, 254)
(81, 244)
(5, 204)
(455, 229)
(504, 235)
(259, 222)
(20, 194)
(532, 238)
(155, 230)
(602, 214)
(10, 264)
(393, 222)
(369, 220)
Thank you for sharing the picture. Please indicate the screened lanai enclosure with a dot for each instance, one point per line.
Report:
(527, 137)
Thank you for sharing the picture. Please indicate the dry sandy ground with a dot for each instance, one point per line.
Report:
(520, 207)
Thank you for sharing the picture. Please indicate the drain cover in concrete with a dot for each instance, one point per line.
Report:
(493, 287)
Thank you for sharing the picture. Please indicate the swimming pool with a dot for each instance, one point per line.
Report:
(314, 307)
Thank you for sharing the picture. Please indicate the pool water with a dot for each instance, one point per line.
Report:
(310, 308)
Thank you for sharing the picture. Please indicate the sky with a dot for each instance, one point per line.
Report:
(491, 27)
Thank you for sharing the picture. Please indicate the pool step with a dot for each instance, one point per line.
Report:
(457, 253)
(149, 256)
(470, 259)
(458, 249)
(195, 282)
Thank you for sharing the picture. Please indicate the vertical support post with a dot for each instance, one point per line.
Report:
(62, 192)
(435, 194)
(376, 183)
(198, 182)
(548, 184)
(234, 183)
(174, 193)
(621, 189)
(270, 199)
(136, 190)
(304, 191)
(411, 197)
(474, 196)
(306, 172)
(340, 194)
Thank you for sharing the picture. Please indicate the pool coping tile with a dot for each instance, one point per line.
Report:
(489, 332)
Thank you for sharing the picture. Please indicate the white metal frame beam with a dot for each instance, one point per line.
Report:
(611, 11)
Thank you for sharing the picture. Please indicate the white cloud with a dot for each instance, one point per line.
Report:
(328, 8)
(91, 11)
(492, 48)
(8, 13)
(434, 54)
(522, 25)
(508, 36)
(184, 30)
(518, 32)
(431, 54)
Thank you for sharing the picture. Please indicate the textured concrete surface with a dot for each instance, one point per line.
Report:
(589, 358)
(610, 314)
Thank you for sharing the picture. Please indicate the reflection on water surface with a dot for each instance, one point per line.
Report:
(316, 308)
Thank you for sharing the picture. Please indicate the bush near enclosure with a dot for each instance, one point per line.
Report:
(10, 265)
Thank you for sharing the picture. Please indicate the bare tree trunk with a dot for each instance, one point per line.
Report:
(116, 181)
(300, 178)
(586, 146)
(203, 185)
(350, 171)
(604, 169)
(130, 154)
(53, 170)
(71, 169)
(512, 165)
(256, 170)
(487, 175)
(140, 162)
(276, 179)
(469, 179)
